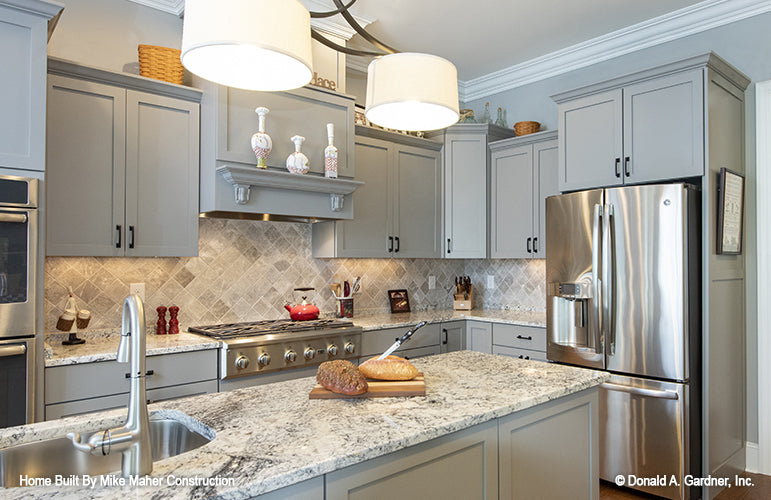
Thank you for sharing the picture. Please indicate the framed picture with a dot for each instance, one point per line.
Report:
(730, 219)
(399, 300)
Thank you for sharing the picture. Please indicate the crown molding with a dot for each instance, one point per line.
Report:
(678, 24)
(176, 7)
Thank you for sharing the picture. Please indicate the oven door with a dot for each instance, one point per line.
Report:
(17, 377)
(18, 254)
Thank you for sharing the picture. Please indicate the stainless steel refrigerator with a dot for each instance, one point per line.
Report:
(622, 276)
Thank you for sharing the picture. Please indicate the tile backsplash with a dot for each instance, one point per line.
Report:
(246, 270)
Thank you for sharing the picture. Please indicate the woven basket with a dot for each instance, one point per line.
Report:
(161, 63)
(524, 128)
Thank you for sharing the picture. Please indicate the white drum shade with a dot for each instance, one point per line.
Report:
(248, 44)
(412, 91)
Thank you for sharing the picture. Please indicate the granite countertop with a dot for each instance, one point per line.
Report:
(105, 347)
(514, 317)
(272, 436)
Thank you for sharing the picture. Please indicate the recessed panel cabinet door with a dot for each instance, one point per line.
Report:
(85, 168)
(417, 209)
(161, 176)
(591, 141)
(545, 184)
(511, 188)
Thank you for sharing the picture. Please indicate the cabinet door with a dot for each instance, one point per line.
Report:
(416, 205)
(465, 173)
(161, 176)
(590, 141)
(664, 128)
(511, 203)
(85, 168)
(367, 234)
(22, 89)
(545, 184)
(453, 336)
(479, 337)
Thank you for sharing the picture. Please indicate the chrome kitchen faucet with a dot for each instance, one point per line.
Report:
(133, 439)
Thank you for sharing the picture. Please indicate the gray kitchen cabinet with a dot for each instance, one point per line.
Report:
(463, 464)
(640, 128)
(87, 387)
(530, 338)
(453, 336)
(523, 173)
(424, 342)
(23, 35)
(479, 336)
(122, 167)
(466, 162)
(398, 209)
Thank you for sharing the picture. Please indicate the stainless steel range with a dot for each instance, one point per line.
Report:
(262, 347)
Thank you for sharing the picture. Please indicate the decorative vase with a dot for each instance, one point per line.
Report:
(261, 142)
(330, 154)
(501, 121)
(297, 163)
(486, 118)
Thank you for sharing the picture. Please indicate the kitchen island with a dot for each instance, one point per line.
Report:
(272, 438)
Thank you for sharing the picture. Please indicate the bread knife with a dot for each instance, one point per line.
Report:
(404, 338)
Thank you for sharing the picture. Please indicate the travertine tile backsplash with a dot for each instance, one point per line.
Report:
(246, 271)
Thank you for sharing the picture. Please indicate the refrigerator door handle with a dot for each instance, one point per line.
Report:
(638, 391)
(608, 326)
(596, 293)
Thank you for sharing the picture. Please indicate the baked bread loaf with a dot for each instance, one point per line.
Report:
(342, 377)
(390, 368)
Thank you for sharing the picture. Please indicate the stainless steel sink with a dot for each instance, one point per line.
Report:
(47, 459)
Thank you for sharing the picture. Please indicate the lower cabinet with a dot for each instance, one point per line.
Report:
(453, 336)
(524, 342)
(479, 336)
(425, 342)
(76, 389)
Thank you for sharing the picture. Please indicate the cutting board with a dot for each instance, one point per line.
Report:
(378, 389)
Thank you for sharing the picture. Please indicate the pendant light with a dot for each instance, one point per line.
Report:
(248, 44)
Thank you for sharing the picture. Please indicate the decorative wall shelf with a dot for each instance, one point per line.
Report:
(244, 178)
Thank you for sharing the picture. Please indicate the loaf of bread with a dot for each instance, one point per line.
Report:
(342, 377)
(390, 368)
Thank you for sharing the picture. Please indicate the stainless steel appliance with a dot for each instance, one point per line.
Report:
(622, 274)
(18, 275)
(260, 352)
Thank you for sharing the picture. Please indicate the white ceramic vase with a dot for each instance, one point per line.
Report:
(261, 142)
(297, 162)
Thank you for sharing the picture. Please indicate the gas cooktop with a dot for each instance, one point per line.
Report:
(253, 328)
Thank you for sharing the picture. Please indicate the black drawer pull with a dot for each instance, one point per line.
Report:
(147, 373)
(525, 338)
(529, 250)
(396, 238)
(118, 229)
(618, 165)
(444, 336)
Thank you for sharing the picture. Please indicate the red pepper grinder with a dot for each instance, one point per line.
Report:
(173, 321)
(160, 328)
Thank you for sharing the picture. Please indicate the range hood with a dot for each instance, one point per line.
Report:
(273, 195)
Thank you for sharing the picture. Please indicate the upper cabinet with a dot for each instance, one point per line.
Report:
(230, 181)
(523, 172)
(466, 161)
(398, 209)
(644, 127)
(23, 36)
(122, 167)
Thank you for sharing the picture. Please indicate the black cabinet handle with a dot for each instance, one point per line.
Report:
(535, 245)
(390, 243)
(524, 338)
(618, 167)
(118, 228)
(528, 245)
(131, 236)
(444, 336)
(448, 245)
(626, 166)
(147, 373)
(397, 243)
(522, 356)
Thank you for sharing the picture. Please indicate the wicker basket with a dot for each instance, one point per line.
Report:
(161, 63)
(524, 128)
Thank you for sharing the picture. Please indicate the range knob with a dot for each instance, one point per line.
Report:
(332, 350)
(350, 348)
(264, 359)
(290, 356)
(242, 362)
(309, 353)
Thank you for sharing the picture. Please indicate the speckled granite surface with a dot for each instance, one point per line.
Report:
(272, 436)
(105, 347)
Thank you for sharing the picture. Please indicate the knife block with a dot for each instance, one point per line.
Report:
(460, 303)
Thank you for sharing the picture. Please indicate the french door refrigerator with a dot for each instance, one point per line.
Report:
(623, 278)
